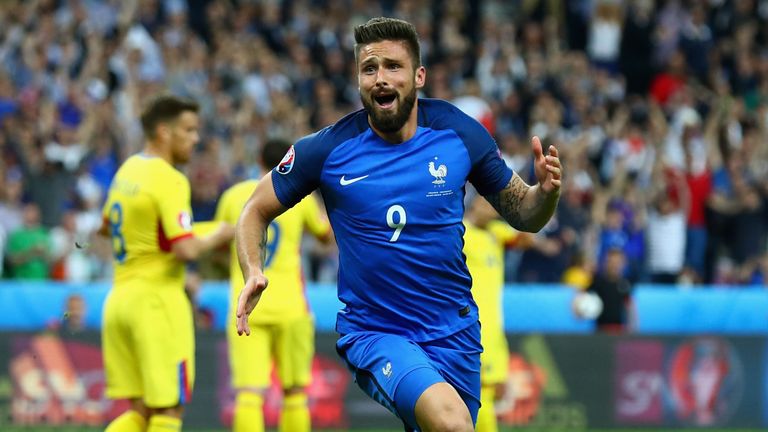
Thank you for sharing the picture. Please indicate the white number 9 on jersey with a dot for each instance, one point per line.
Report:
(400, 224)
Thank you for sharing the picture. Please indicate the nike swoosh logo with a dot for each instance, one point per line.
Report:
(345, 182)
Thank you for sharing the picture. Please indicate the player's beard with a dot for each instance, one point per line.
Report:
(181, 157)
(181, 152)
(386, 121)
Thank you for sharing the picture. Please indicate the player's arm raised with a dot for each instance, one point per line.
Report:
(251, 238)
(529, 208)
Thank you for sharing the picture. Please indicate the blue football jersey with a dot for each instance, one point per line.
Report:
(396, 211)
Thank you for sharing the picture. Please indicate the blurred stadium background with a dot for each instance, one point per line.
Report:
(659, 109)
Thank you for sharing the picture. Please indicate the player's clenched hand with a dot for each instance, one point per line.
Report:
(547, 167)
(249, 297)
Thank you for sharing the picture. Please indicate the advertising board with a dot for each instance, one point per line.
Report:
(555, 381)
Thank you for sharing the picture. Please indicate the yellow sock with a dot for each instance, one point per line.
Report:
(249, 414)
(486, 417)
(164, 423)
(129, 421)
(294, 416)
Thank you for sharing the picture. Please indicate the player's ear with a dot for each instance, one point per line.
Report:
(163, 131)
(421, 76)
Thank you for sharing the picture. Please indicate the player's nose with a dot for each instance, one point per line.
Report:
(381, 78)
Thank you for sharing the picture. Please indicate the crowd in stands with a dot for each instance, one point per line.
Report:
(659, 110)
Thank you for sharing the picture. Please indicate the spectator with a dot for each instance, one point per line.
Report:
(755, 272)
(573, 215)
(72, 79)
(615, 291)
(29, 247)
(11, 207)
(612, 234)
(545, 260)
(637, 46)
(700, 155)
(666, 228)
(73, 320)
(207, 180)
(696, 42)
(750, 224)
(70, 262)
(605, 35)
(671, 80)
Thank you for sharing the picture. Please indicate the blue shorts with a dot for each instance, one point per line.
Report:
(395, 371)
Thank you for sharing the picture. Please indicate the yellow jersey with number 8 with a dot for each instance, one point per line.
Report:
(147, 209)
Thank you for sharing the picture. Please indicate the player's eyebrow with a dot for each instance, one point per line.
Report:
(369, 60)
(381, 60)
(389, 60)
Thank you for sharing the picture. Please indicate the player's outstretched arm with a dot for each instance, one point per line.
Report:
(529, 208)
(251, 238)
(190, 248)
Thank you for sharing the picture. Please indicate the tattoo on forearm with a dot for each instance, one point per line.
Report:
(263, 248)
(522, 208)
(508, 202)
(251, 250)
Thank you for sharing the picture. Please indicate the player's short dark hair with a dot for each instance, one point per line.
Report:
(391, 29)
(273, 150)
(162, 109)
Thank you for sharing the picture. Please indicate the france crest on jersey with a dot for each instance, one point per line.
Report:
(396, 210)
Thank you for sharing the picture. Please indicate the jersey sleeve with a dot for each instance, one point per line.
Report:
(298, 174)
(173, 201)
(488, 173)
(314, 220)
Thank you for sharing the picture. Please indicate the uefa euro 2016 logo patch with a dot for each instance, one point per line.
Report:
(185, 220)
(286, 165)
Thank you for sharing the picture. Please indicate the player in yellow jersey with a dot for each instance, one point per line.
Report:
(283, 326)
(485, 239)
(148, 331)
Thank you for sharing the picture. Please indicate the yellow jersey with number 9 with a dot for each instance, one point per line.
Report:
(147, 209)
(284, 298)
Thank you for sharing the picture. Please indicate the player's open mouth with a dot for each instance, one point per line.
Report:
(385, 101)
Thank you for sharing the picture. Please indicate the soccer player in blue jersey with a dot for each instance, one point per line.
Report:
(392, 176)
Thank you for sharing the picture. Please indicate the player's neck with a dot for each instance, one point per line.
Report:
(404, 133)
(156, 150)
